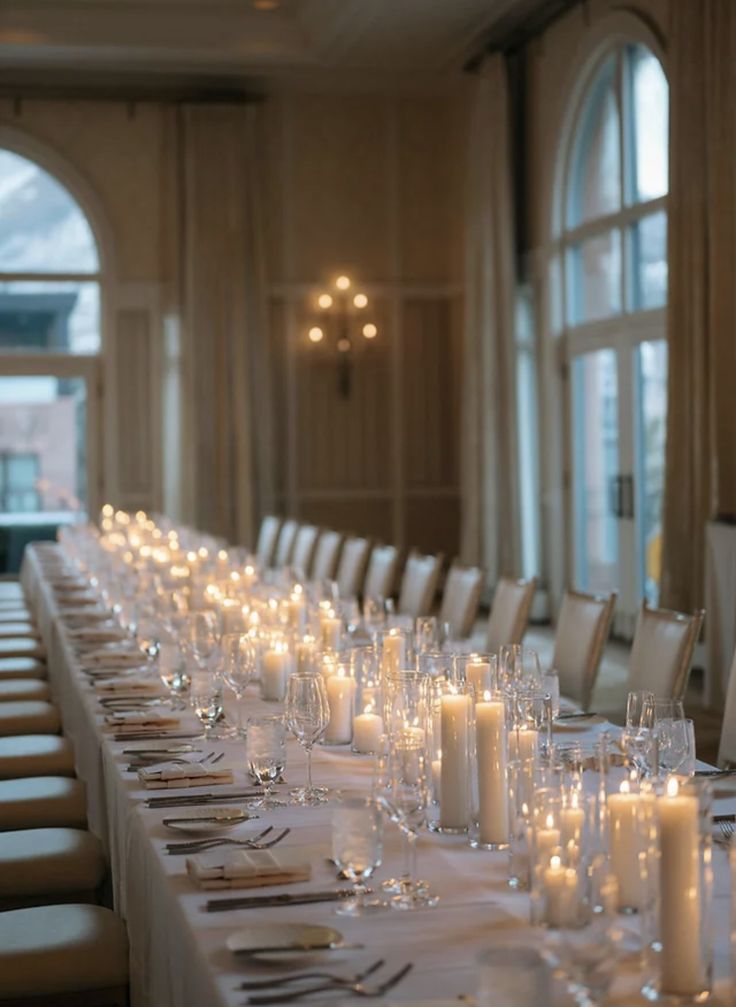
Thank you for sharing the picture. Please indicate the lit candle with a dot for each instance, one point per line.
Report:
(297, 612)
(275, 669)
(547, 839)
(478, 675)
(624, 843)
(340, 688)
(679, 892)
(437, 777)
(394, 652)
(306, 656)
(490, 736)
(454, 735)
(527, 743)
(572, 822)
(331, 631)
(560, 885)
(367, 731)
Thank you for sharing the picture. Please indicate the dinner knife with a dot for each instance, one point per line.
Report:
(266, 901)
(194, 799)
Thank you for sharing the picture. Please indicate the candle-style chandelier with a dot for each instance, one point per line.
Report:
(343, 321)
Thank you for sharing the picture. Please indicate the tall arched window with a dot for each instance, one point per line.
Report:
(614, 292)
(49, 342)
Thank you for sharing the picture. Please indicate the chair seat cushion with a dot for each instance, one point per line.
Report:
(21, 630)
(49, 950)
(10, 589)
(18, 613)
(23, 688)
(41, 802)
(35, 755)
(29, 716)
(22, 667)
(21, 646)
(49, 861)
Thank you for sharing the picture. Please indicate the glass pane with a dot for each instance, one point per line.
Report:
(42, 444)
(651, 423)
(42, 229)
(595, 278)
(650, 101)
(36, 316)
(594, 186)
(649, 261)
(595, 442)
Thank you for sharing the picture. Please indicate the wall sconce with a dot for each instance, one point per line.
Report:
(343, 319)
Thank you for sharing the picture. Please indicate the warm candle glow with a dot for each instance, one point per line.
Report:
(360, 300)
(342, 283)
(672, 787)
(370, 331)
(555, 863)
(316, 334)
(324, 301)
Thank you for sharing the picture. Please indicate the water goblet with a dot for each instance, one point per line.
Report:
(307, 713)
(265, 752)
(238, 667)
(357, 849)
(205, 698)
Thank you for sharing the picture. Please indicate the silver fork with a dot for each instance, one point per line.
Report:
(265, 984)
(210, 759)
(209, 844)
(727, 830)
(358, 989)
(186, 846)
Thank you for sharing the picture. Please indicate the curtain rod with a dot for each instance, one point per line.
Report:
(514, 32)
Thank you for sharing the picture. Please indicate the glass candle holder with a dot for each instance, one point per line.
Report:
(489, 825)
(368, 723)
(340, 688)
(394, 648)
(406, 705)
(436, 664)
(478, 671)
(457, 744)
(520, 776)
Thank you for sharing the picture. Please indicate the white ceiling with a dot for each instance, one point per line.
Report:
(370, 40)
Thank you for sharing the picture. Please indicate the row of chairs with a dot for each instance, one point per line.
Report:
(58, 944)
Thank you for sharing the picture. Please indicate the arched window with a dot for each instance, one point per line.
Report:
(613, 293)
(49, 341)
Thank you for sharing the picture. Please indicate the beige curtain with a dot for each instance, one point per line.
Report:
(701, 426)
(490, 536)
(227, 406)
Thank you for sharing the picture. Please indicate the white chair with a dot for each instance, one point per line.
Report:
(304, 546)
(460, 599)
(582, 630)
(285, 544)
(727, 747)
(419, 584)
(267, 539)
(351, 569)
(512, 602)
(382, 570)
(662, 651)
(326, 555)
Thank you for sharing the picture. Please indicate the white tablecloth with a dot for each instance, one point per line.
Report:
(178, 953)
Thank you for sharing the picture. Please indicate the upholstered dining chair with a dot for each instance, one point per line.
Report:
(727, 746)
(351, 569)
(460, 599)
(304, 546)
(267, 538)
(285, 544)
(662, 650)
(512, 602)
(419, 584)
(326, 555)
(583, 626)
(380, 577)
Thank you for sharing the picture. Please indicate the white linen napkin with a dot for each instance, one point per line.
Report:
(247, 868)
(174, 775)
(129, 685)
(138, 722)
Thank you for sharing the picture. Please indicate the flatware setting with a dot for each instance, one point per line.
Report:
(196, 800)
(148, 763)
(254, 843)
(271, 901)
(357, 989)
(265, 984)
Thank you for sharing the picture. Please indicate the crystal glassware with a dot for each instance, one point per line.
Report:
(238, 651)
(265, 753)
(205, 698)
(357, 849)
(307, 713)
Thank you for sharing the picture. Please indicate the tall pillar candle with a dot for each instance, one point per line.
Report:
(625, 844)
(340, 689)
(493, 806)
(331, 632)
(275, 669)
(394, 653)
(478, 676)
(455, 744)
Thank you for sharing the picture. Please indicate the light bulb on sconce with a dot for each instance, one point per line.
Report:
(316, 335)
(370, 331)
(342, 283)
(324, 301)
(340, 326)
(360, 301)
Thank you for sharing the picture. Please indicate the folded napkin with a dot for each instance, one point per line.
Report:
(247, 868)
(83, 616)
(129, 685)
(138, 722)
(113, 659)
(98, 634)
(174, 775)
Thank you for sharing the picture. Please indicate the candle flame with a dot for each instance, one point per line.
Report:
(222, 554)
(202, 553)
(555, 863)
(672, 787)
(550, 821)
(574, 799)
(486, 695)
(625, 788)
(368, 708)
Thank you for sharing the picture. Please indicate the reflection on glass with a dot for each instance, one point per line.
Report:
(42, 229)
(595, 278)
(42, 444)
(650, 100)
(50, 316)
(595, 183)
(649, 253)
(595, 435)
(651, 423)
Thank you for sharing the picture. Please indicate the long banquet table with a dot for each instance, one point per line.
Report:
(178, 952)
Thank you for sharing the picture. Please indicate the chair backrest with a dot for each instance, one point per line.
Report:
(419, 584)
(304, 546)
(267, 538)
(351, 568)
(512, 602)
(727, 747)
(662, 651)
(460, 599)
(382, 568)
(582, 630)
(326, 555)
(285, 544)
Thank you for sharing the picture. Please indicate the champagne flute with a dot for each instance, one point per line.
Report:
(238, 667)
(307, 713)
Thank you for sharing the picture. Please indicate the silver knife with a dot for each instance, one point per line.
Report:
(265, 901)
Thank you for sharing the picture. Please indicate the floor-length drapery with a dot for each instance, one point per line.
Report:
(700, 477)
(489, 470)
(227, 427)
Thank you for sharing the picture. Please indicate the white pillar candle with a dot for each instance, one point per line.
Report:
(297, 613)
(340, 689)
(478, 676)
(546, 839)
(625, 844)
(331, 631)
(329, 666)
(232, 616)
(367, 731)
(454, 740)
(306, 656)
(572, 822)
(679, 892)
(275, 668)
(527, 743)
(560, 885)
(394, 653)
(490, 736)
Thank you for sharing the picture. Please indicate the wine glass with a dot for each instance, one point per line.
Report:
(200, 638)
(357, 849)
(637, 738)
(426, 636)
(205, 698)
(148, 635)
(307, 713)
(265, 752)
(676, 746)
(238, 667)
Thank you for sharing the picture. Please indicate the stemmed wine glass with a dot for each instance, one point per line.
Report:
(357, 849)
(200, 637)
(637, 739)
(265, 752)
(307, 713)
(238, 667)
(205, 697)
